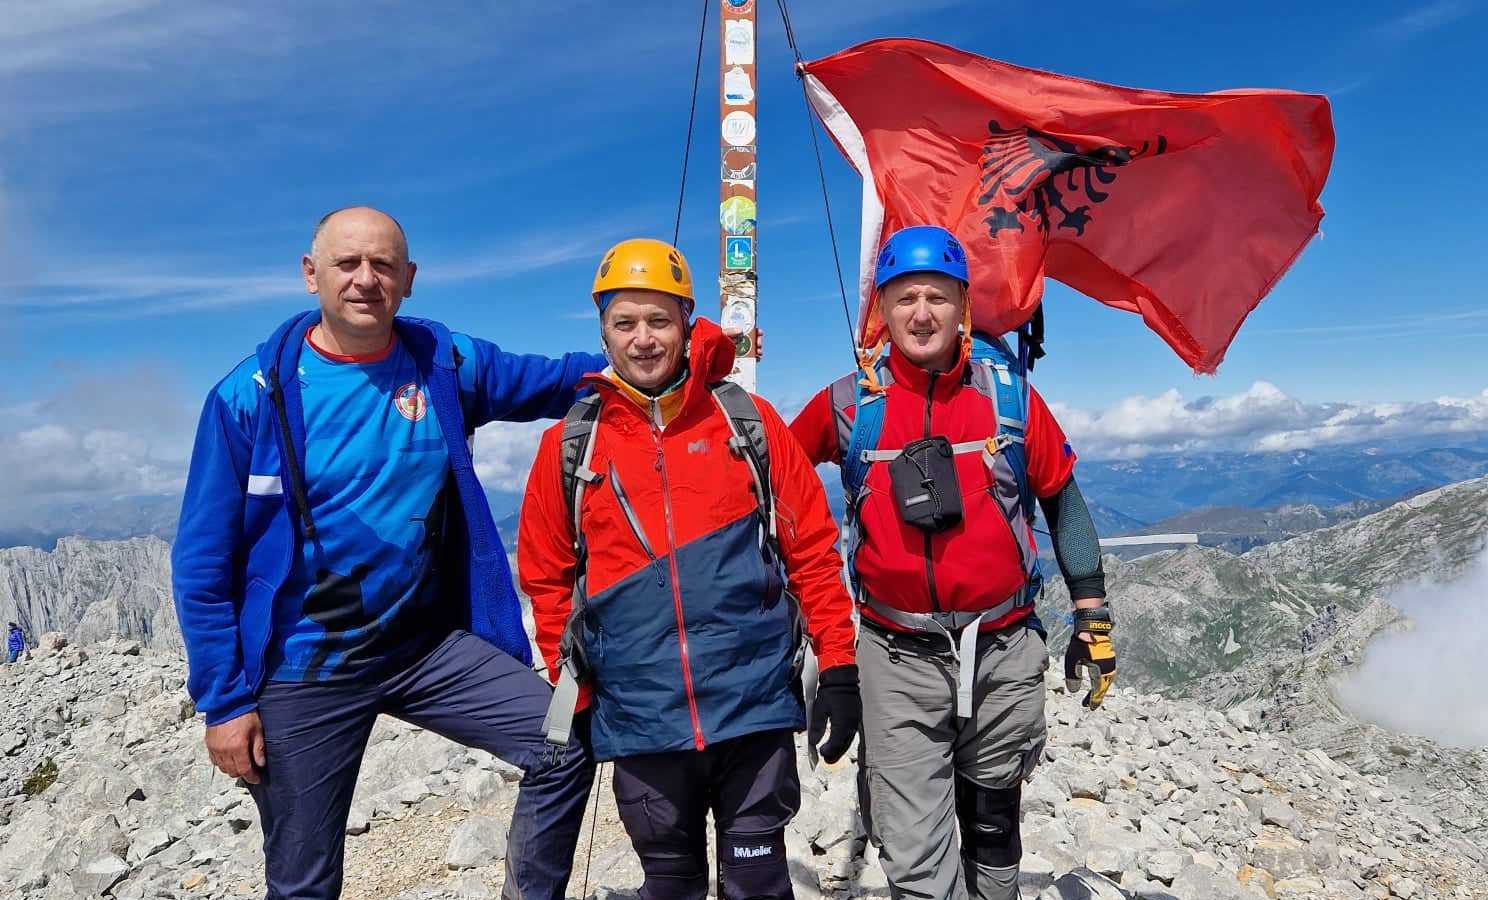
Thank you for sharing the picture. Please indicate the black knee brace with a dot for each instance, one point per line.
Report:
(753, 866)
(989, 823)
(673, 877)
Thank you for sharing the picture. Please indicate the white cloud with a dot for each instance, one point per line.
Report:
(1412, 681)
(1261, 418)
(67, 463)
(107, 435)
(1420, 21)
(99, 435)
(504, 452)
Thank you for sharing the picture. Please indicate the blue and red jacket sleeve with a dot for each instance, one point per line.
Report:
(510, 387)
(808, 537)
(203, 561)
(546, 562)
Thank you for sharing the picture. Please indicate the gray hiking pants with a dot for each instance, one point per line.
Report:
(924, 772)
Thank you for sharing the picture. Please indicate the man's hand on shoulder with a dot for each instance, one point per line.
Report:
(237, 747)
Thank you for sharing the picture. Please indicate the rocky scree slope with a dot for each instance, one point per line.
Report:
(108, 791)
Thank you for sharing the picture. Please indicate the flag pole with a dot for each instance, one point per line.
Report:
(738, 232)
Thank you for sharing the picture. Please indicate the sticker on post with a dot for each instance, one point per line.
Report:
(738, 166)
(738, 43)
(737, 91)
(738, 128)
(738, 254)
(737, 215)
(738, 315)
(744, 344)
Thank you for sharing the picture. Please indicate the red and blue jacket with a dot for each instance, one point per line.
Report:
(687, 635)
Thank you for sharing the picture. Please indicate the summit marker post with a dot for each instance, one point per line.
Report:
(738, 236)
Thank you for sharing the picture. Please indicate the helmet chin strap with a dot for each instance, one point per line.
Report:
(965, 324)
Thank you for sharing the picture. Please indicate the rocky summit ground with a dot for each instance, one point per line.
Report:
(107, 790)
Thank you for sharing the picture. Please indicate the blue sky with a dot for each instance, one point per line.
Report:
(162, 164)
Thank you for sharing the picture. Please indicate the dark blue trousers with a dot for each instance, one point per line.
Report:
(464, 689)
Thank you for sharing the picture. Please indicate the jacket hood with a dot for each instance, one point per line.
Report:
(712, 353)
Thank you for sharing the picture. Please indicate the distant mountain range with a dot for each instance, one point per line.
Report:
(117, 518)
(1200, 611)
(1154, 488)
(1233, 500)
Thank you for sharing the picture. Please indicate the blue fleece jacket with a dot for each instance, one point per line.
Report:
(241, 527)
(16, 641)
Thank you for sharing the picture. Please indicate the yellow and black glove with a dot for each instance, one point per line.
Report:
(1095, 657)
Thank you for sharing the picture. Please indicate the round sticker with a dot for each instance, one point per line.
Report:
(738, 128)
(743, 344)
(737, 215)
(738, 158)
(738, 316)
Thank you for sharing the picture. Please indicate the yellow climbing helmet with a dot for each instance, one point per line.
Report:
(646, 265)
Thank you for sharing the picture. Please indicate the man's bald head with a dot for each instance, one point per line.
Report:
(358, 267)
(367, 215)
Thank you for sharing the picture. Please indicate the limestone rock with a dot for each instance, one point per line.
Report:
(478, 841)
(97, 875)
(1283, 857)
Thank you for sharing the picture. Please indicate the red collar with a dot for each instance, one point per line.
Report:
(375, 356)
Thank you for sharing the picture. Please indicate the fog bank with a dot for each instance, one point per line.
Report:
(1429, 678)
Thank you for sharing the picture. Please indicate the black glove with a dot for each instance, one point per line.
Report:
(1095, 658)
(837, 701)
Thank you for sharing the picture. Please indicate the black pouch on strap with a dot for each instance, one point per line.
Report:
(926, 489)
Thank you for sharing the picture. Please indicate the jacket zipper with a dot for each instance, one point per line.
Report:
(929, 562)
(666, 504)
(634, 523)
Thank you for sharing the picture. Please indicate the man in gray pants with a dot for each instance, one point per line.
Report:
(944, 449)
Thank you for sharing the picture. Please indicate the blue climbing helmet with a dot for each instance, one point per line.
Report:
(920, 248)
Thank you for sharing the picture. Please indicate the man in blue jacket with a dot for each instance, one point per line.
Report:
(15, 643)
(336, 559)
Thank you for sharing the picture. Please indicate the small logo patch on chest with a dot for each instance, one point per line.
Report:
(410, 402)
(698, 446)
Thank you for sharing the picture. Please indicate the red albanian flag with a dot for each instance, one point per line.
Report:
(1184, 208)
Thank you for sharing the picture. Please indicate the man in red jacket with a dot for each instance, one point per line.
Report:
(943, 453)
(667, 523)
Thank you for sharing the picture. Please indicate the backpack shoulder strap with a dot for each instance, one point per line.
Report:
(1001, 380)
(576, 451)
(867, 426)
(749, 443)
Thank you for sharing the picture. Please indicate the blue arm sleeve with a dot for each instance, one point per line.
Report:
(500, 386)
(203, 563)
